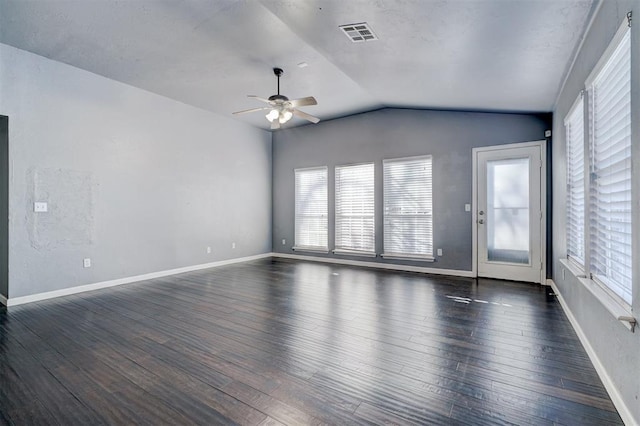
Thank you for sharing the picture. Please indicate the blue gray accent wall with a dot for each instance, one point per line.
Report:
(394, 133)
(617, 349)
(136, 182)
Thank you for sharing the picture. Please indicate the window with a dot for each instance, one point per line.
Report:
(408, 219)
(355, 224)
(311, 209)
(574, 126)
(610, 168)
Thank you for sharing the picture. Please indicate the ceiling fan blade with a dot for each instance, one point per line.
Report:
(260, 99)
(250, 110)
(309, 100)
(306, 116)
(275, 125)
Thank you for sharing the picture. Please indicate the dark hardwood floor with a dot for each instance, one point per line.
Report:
(280, 341)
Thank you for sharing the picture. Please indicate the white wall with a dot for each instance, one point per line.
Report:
(617, 349)
(137, 182)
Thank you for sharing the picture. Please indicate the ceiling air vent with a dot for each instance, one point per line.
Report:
(358, 33)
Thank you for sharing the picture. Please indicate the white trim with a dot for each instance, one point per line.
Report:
(612, 303)
(304, 169)
(401, 159)
(354, 164)
(311, 249)
(402, 256)
(13, 301)
(474, 213)
(542, 144)
(611, 48)
(3, 300)
(579, 101)
(528, 144)
(389, 266)
(343, 252)
(616, 398)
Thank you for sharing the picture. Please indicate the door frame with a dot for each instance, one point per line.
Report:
(543, 201)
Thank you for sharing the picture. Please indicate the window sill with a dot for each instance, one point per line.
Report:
(355, 253)
(399, 256)
(619, 312)
(310, 249)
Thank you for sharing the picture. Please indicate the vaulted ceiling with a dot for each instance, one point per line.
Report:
(497, 55)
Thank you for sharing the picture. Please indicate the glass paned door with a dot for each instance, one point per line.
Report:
(508, 210)
(509, 220)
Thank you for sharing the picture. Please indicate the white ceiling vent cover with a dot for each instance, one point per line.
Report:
(358, 33)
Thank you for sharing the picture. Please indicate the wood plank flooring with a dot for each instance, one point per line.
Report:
(279, 341)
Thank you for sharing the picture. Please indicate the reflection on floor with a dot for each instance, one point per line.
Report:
(280, 341)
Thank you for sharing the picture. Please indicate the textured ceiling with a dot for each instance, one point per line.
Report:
(497, 55)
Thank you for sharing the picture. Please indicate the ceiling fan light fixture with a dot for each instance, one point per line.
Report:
(272, 115)
(285, 116)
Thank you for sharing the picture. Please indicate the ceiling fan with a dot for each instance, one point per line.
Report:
(281, 108)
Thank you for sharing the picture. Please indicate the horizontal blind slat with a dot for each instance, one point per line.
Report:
(575, 183)
(311, 209)
(408, 221)
(355, 208)
(610, 184)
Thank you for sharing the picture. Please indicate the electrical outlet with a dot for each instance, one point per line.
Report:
(208, 250)
(40, 207)
(467, 207)
(86, 262)
(439, 252)
(233, 245)
(284, 242)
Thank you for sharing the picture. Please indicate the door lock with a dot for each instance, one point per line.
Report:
(481, 221)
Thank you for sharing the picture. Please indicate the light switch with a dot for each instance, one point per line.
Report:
(40, 207)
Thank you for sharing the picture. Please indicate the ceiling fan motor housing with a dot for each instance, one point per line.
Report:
(277, 98)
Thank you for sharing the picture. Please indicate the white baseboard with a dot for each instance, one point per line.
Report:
(616, 398)
(390, 266)
(13, 301)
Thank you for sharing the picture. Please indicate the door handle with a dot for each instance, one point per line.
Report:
(481, 221)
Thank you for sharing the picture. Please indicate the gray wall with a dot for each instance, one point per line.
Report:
(617, 348)
(4, 206)
(394, 133)
(137, 182)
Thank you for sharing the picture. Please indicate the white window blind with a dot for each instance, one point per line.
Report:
(408, 219)
(574, 126)
(355, 226)
(311, 226)
(610, 182)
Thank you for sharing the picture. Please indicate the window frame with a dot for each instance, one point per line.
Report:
(339, 248)
(325, 215)
(579, 105)
(603, 63)
(406, 255)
